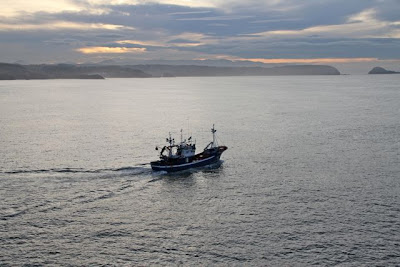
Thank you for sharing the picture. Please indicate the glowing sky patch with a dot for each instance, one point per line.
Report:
(60, 25)
(11, 8)
(162, 43)
(308, 60)
(110, 50)
(139, 42)
(189, 3)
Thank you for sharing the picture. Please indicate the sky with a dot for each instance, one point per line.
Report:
(352, 35)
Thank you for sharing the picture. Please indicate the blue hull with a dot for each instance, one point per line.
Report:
(186, 166)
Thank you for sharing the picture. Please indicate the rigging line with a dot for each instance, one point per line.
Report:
(219, 139)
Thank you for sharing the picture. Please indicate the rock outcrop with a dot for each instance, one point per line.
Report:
(380, 70)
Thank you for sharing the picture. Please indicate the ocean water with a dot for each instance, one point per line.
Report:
(311, 176)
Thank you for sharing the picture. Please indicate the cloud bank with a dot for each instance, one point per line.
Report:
(275, 31)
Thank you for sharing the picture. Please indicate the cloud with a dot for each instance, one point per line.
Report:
(308, 60)
(188, 3)
(60, 25)
(138, 42)
(186, 39)
(360, 25)
(11, 8)
(190, 13)
(216, 18)
(110, 50)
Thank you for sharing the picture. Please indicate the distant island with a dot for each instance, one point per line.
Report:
(380, 70)
(93, 71)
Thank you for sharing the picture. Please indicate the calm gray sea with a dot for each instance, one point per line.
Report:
(311, 176)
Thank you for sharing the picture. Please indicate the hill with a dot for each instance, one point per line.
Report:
(380, 70)
(66, 71)
(18, 72)
(95, 71)
(194, 70)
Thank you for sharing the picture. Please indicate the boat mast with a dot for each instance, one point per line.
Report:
(213, 133)
(170, 139)
(171, 142)
(181, 136)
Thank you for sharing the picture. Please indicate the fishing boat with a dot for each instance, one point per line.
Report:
(182, 156)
